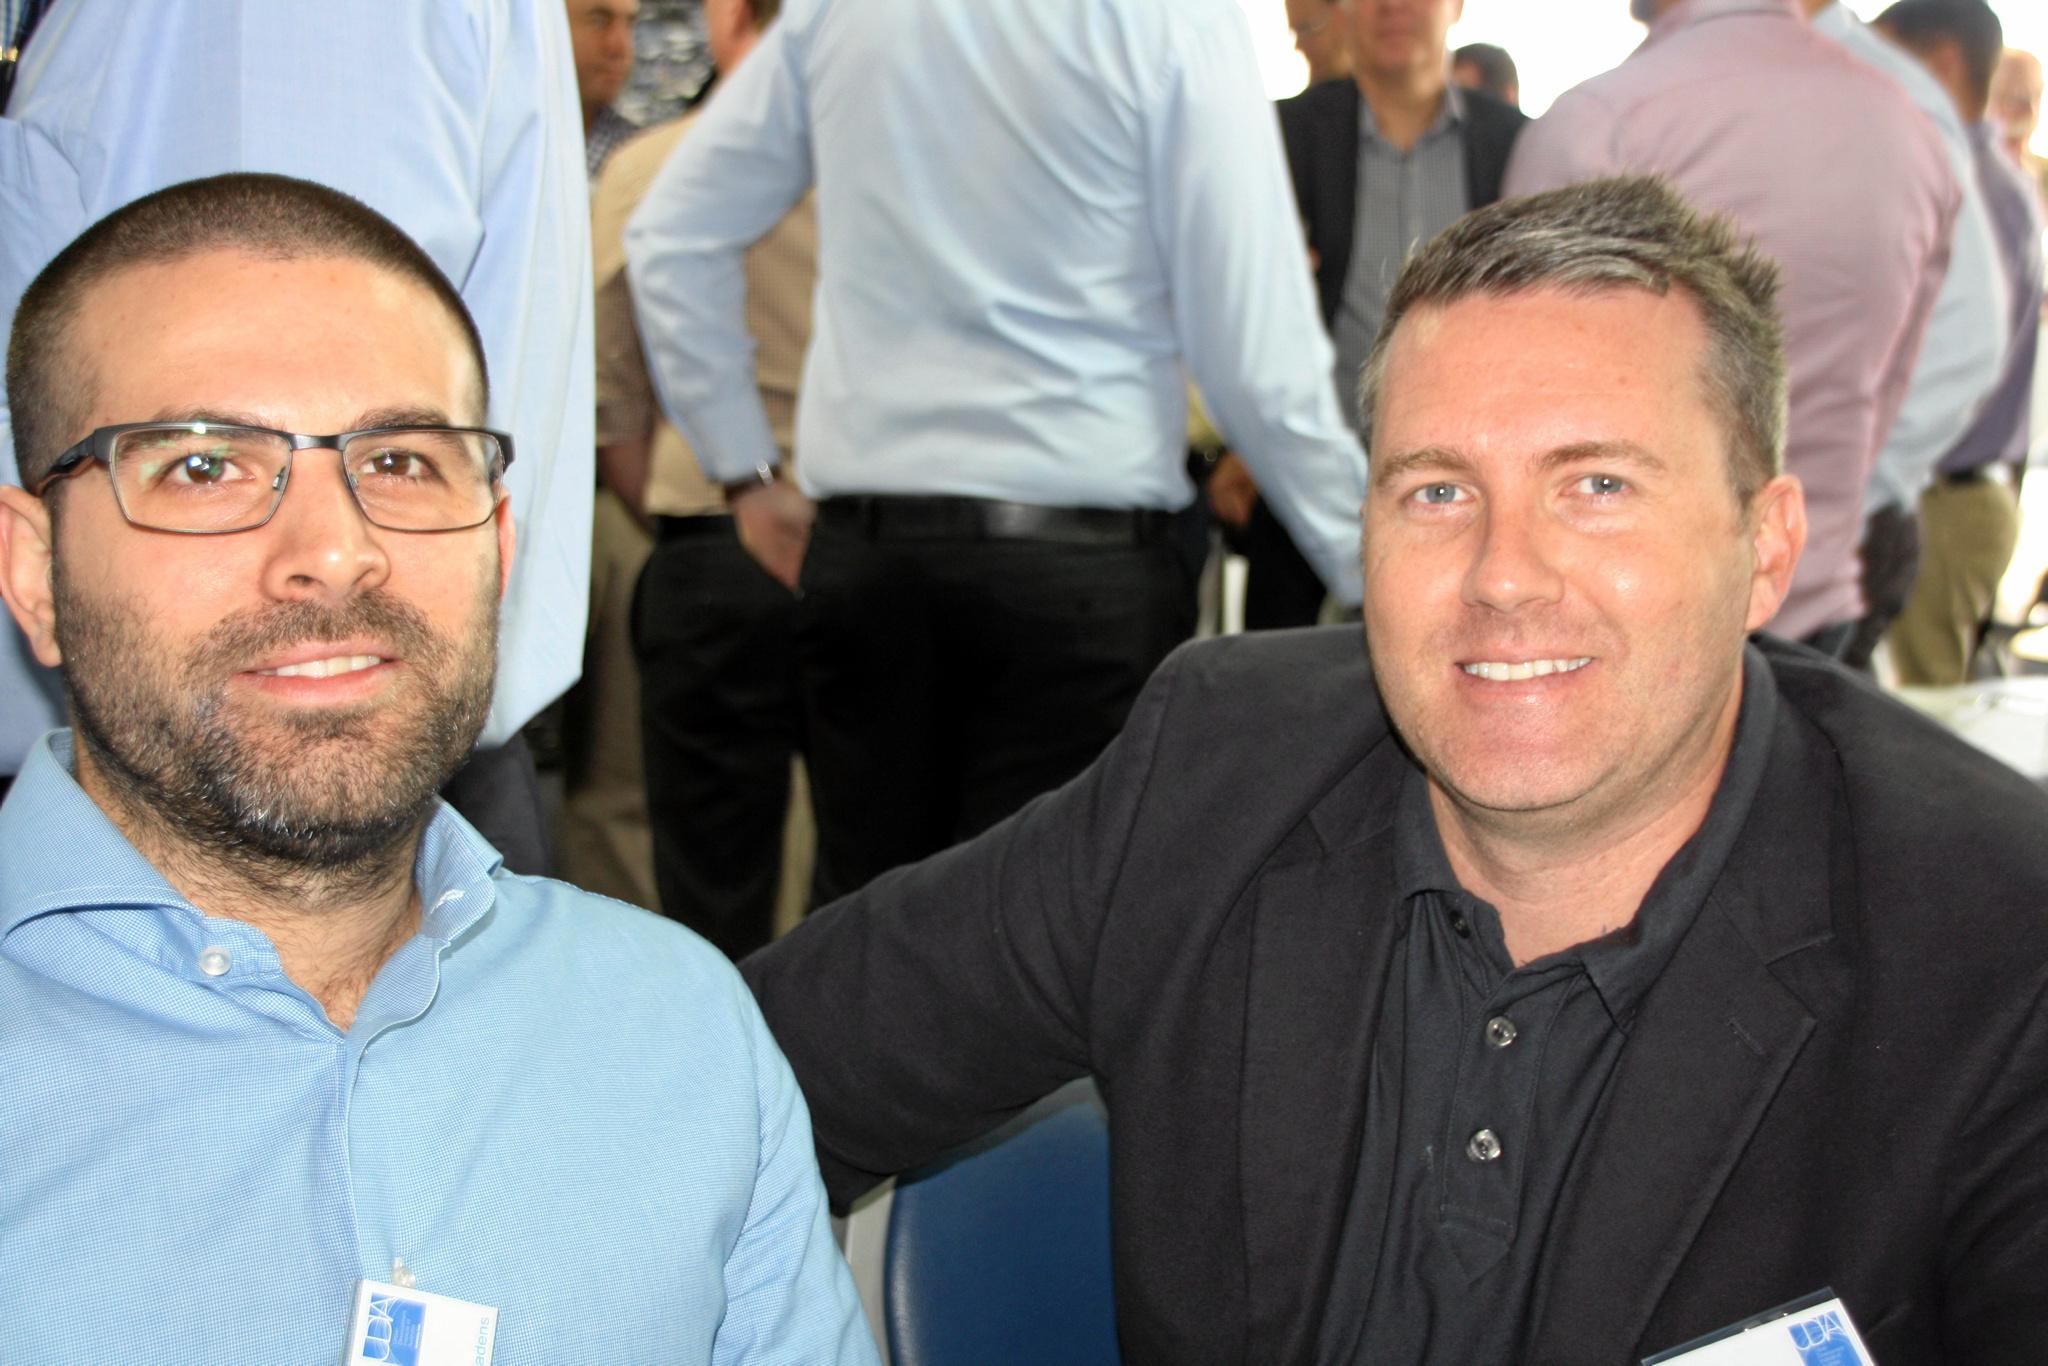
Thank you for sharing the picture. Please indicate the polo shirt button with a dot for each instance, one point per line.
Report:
(1460, 926)
(1483, 1146)
(216, 961)
(1500, 1031)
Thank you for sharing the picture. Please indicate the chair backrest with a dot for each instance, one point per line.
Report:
(999, 1251)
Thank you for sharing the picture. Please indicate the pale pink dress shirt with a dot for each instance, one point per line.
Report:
(1751, 113)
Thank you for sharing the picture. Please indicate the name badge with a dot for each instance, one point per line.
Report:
(407, 1327)
(1812, 1331)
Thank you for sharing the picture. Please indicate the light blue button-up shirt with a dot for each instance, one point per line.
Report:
(1037, 220)
(1964, 354)
(547, 1102)
(456, 119)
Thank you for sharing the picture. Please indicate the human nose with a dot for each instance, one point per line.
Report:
(321, 545)
(1514, 565)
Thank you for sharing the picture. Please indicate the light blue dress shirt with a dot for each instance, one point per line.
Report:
(1037, 219)
(548, 1102)
(456, 119)
(1964, 352)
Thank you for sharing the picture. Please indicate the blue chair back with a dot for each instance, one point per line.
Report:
(999, 1251)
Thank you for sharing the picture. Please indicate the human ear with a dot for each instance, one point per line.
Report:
(1777, 529)
(27, 559)
(508, 540)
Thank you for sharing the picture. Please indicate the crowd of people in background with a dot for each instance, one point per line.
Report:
(718, 705)
(1912, 352)
(852, 454)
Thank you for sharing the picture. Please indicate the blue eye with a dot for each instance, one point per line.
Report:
(1603, 485)
(1436, 494)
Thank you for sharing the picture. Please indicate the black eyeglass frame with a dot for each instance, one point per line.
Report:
(99, 446)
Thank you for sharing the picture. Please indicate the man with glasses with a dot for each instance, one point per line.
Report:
(458, 121)
(285, 1054)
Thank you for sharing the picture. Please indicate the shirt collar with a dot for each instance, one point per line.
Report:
(1449, 114)
(1691, 12)
(1624, 966)
(1835, 19)
(60, 852)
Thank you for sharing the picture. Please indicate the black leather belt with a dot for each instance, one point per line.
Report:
(920, 518)
(1990, 472)
(703, 524)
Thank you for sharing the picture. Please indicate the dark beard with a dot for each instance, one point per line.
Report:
(341, 794)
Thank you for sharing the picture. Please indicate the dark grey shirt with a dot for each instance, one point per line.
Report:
(1404, 199)
(1487, 1081)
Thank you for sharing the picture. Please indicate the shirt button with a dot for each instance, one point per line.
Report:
(216, 961)
(1483, 1146)
(1460, 926)
(1500, 1031)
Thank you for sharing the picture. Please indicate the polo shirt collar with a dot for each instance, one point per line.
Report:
(1624, 966)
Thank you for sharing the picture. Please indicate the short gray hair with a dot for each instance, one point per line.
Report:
(1627, 232)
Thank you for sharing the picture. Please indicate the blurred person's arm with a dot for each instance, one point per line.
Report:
(1960, 360)
(745, 163)
(1243, 295)
(625, 399)
(1897, 378)
(626, 404)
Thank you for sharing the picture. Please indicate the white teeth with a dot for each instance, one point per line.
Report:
(1496, 672)
(324, 668)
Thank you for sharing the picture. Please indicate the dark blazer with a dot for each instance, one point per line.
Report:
(1320, 129)
(1840, 1079)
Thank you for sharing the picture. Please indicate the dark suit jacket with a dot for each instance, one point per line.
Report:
(1840, 1079)
(1320, 128)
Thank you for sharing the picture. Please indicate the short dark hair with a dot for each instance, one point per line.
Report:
(1625, 232)
(1497, 74)
(271, 216)
(1920, 24)
(764, 11)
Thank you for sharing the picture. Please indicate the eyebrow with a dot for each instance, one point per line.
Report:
(1604, 452)
(366, 421)
(1443, 459)
(1387, 469)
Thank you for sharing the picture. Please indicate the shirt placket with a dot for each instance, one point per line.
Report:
(1491, 1134)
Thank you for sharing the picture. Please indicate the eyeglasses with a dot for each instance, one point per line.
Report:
(209, 478)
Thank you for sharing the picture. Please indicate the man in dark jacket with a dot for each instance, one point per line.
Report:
(1558, 978)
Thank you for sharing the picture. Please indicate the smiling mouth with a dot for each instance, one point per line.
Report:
(1494, 671)
(323, 668)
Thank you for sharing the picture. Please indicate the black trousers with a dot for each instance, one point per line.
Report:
(719, 724)
(498, 792)
(1280, 589)
(948, 680)
(1891, 561)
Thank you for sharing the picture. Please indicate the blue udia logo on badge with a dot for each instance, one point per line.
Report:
(1824, 1340)
(394, 1330)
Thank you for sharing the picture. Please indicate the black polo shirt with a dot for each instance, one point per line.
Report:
(1486, 1081)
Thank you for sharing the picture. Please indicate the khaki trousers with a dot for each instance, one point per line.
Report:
(1968, 530)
